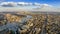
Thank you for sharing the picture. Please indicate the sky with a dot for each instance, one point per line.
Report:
(55, 3)
(50, 5)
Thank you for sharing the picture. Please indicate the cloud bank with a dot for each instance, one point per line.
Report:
(8, 4)
(17, 6)
(14, 4)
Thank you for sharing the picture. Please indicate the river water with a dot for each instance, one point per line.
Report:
(14, 26)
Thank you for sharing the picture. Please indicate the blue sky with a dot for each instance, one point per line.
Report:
(55, 3)
(43, 5)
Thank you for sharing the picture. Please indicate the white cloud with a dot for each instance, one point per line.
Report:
(42, 7)
(47, 5)
(8, 4)
(14, 4)
(23, 3)
(37, 4)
